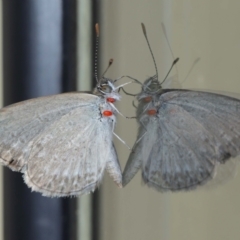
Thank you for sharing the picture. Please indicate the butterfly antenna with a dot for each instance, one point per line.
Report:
(109, 65)
(174, 62)
(193, 65)
(96, 52)
(165, 34)
(145, 34)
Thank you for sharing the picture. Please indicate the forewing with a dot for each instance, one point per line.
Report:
(196, 130)
(20, 123)
(69, 158)
(218, 114)
(181, 158)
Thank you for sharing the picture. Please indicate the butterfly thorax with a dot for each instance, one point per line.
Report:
(107, 112)
(150, 88)
(106, 89)
(108, 94)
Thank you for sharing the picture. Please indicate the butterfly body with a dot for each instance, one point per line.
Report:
(183, 135)
(180, 146)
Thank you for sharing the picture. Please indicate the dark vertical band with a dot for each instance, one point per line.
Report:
(96, 200)
(38, 60)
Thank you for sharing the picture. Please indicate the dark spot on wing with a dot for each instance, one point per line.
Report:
(225, 157)
(11, 161)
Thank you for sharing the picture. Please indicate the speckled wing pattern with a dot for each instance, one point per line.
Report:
(20, 123)
(193, 131)
(62, 148)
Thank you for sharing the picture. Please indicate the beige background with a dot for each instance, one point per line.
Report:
(208, 30)
(205, 29)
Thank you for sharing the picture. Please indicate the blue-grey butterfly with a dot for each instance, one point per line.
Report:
(183, 135)
(62, 143)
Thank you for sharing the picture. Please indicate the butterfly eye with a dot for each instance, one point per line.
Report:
(155, 86)
(105, 88)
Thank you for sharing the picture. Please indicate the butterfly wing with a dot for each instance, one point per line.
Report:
(61, 143)
(70, 156)
(197, 131)
(194, 132)
(113, 167)
(20, 123)
(141, 150)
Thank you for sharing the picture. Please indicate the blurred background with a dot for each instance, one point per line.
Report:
(48, 47)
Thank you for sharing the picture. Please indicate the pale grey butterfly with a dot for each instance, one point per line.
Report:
(183, 135)
(63, 143)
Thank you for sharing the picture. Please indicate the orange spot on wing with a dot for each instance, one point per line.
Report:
(111, 100)
(151, 112)
(107, 113)
(148, 99)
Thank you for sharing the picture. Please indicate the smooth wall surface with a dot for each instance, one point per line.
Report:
(203, 30)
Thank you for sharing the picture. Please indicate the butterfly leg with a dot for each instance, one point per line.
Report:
(124, 84)
(122, 141)
(133, 103)
(118, 79)
(120, 112)
(140, 138)
(134, 81)
(129, 94)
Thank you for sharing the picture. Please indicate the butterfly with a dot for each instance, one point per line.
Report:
(63, 143)
(183, 135)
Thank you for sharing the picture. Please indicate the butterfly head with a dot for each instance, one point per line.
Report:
(151, 85)
(106, 88)
(150, 88)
